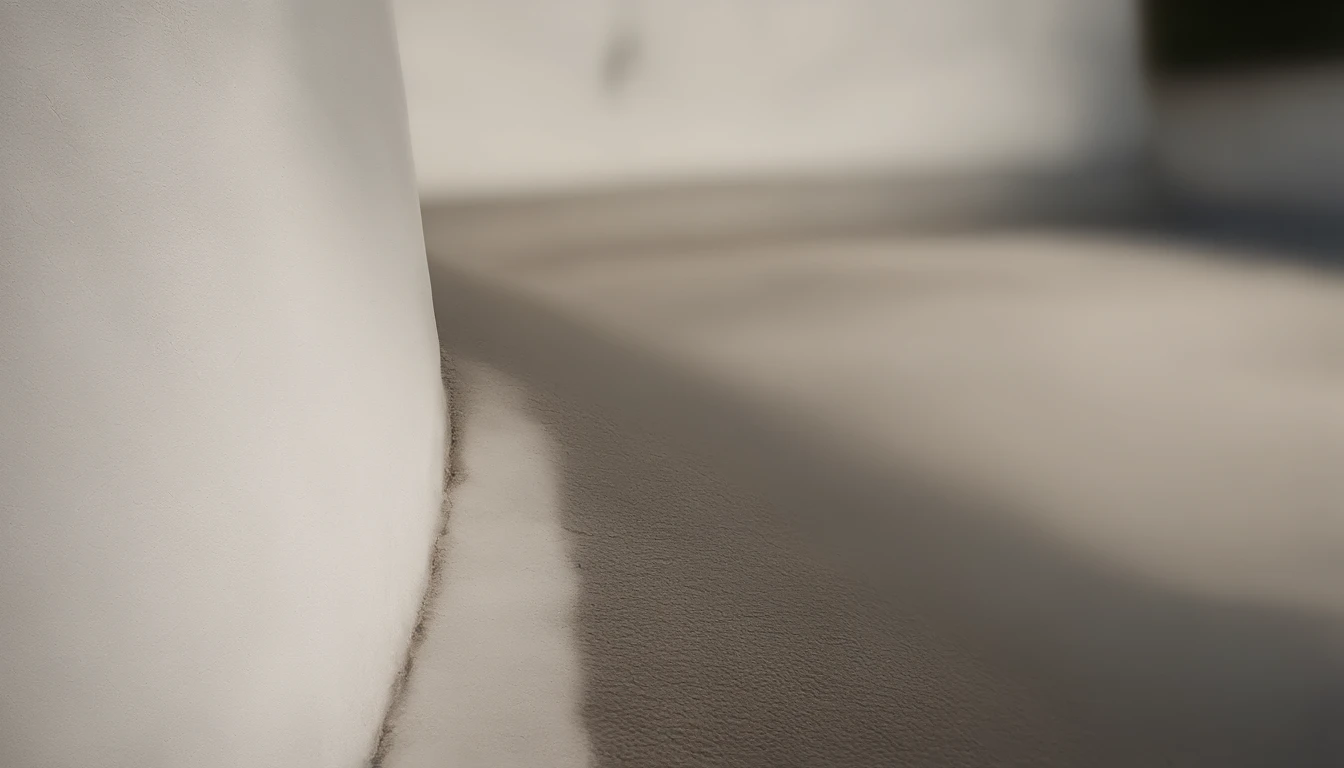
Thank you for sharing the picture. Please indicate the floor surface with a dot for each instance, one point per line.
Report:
(1025, 498)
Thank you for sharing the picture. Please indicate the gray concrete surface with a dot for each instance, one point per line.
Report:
(988, 499)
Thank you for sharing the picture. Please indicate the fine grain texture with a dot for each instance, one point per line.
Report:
(990, 498)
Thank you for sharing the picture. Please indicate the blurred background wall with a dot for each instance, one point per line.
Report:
(1238, 102)
(1249, 99)
(527, 95)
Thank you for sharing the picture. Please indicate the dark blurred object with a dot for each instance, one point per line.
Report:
(1194, 36)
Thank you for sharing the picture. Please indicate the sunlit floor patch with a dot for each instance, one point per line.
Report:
(497, 681)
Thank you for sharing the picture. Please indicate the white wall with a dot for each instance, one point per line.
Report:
(511, 94)
(221, 419)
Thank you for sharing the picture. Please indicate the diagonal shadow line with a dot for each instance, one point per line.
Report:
(1128, 671)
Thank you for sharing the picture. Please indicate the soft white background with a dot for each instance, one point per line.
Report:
(509, 95)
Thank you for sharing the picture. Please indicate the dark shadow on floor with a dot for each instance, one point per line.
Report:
(753, 596)
(1250, 232)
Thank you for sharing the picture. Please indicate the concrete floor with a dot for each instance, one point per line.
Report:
(1000, 499)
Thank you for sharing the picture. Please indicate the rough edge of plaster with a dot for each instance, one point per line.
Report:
(452, 476)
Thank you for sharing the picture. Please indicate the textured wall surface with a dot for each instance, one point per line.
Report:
(520, 94)
(221, 412)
